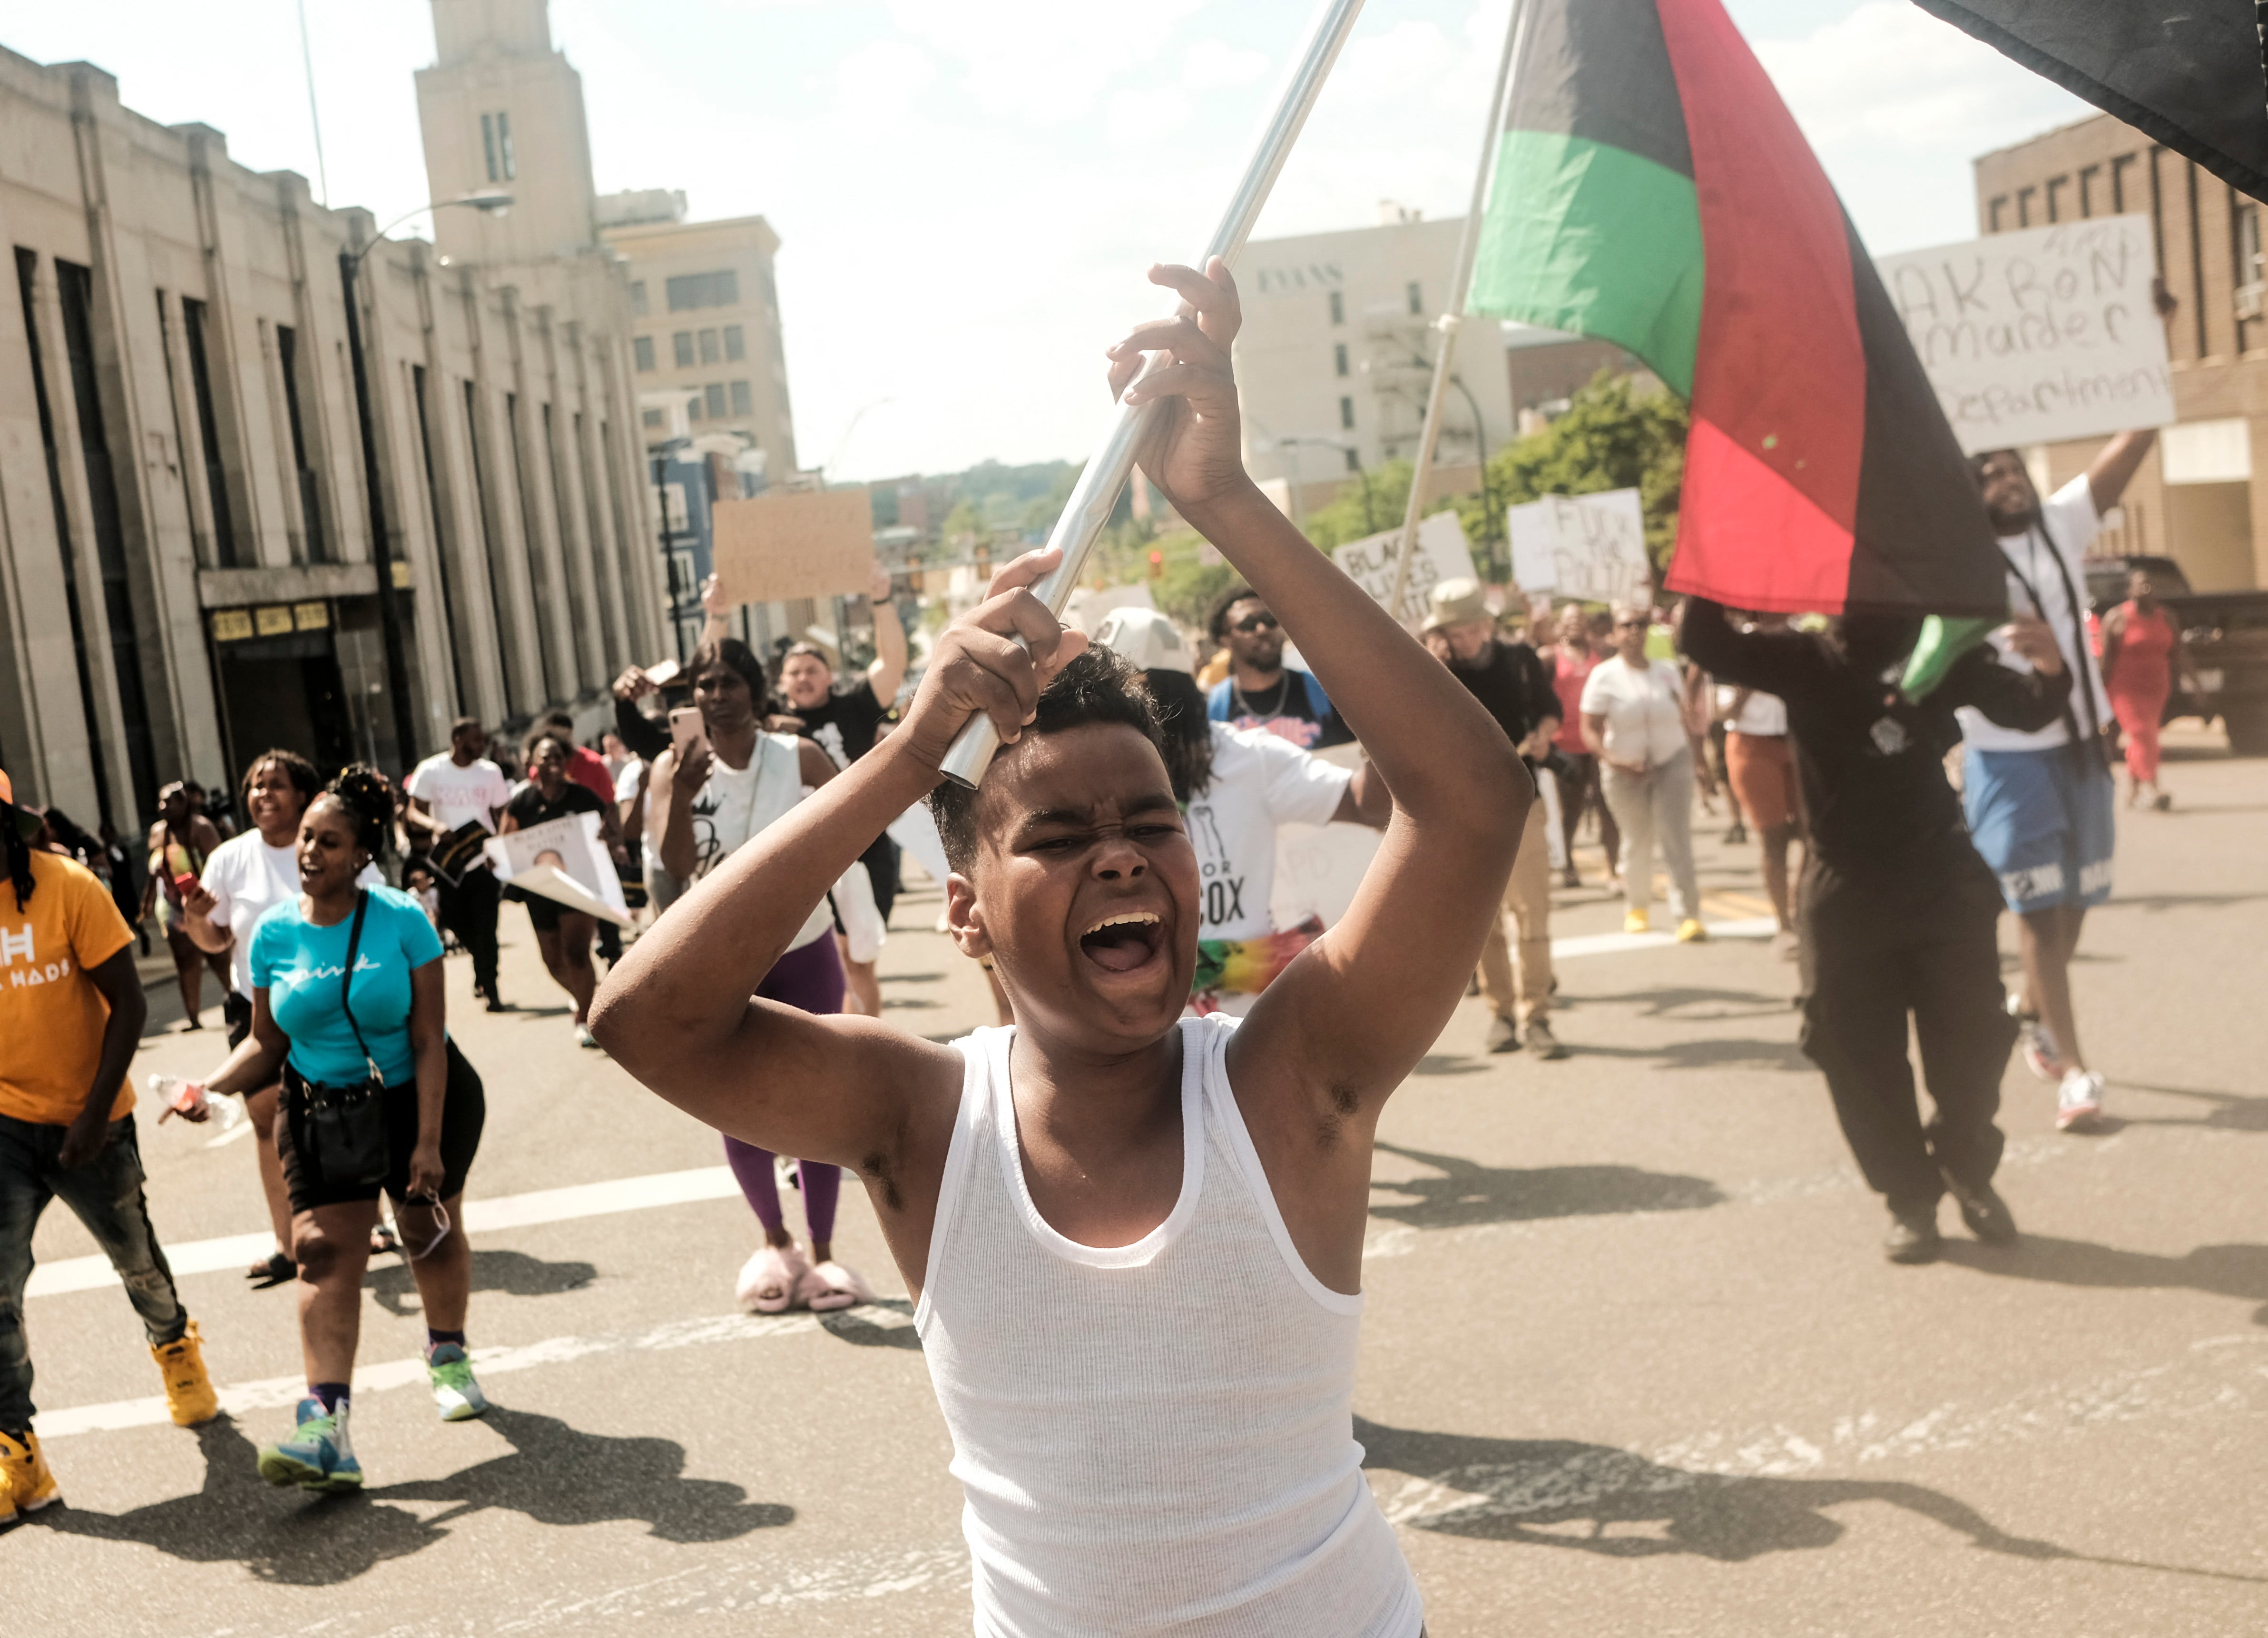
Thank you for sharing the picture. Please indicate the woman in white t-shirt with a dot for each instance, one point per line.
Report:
(1634, 722)
(707, 802)
(1236, 785)
(247, 875)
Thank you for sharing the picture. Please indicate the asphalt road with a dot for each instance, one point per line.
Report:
(1631, 1360)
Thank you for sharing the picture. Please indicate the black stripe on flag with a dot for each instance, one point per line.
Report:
(1599, 69)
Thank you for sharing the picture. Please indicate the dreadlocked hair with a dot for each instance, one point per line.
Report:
(1099, 686)
(20, 856)
(365, 793)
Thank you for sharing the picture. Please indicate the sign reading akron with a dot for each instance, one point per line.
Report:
(2036, 337)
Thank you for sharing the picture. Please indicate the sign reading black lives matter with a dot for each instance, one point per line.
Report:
(2036, 337)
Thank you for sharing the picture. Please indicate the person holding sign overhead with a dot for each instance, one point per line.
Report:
(2039, 802)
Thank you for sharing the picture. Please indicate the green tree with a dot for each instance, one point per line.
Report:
(1609, 438)
(1370, 503)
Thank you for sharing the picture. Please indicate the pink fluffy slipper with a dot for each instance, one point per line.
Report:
(772, 1279)
(831, 1286)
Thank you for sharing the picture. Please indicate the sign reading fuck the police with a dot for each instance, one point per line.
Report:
(2036, 337)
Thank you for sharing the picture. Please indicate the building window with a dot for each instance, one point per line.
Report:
(2056, 184)
(2024, 206)
(641, 353)
(200, 387)
(1416, 298)
(693, 407)
(2251, 268)
(690, 290)
(1354, 461)
(714, 394)
(1339, 358)
(2119, 165)
(736, 345)
(744, 402)
(2089, 177)
(287, 356)
(1338, 308)
(1992, 214)
(637, 297)
(711, 352)
(654, 419)
(1346, 414)
(681, 347)
(495, 146)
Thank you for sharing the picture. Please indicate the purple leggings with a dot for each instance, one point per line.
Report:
(810, 979)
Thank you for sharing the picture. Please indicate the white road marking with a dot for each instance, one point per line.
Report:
(279, 1392)
(510, 1211)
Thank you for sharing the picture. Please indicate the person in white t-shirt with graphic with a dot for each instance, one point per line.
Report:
(1236, 785)
(447, 792)
(2039, 805)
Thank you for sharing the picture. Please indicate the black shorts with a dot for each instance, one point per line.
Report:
(236, 1013)
(463, 1111)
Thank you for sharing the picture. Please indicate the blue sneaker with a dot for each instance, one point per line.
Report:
(318, 1456)
(454, 1391)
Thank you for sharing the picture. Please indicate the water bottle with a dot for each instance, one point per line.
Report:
(188, 1099)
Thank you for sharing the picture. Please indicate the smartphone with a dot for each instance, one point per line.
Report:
(663, 674)
(185, 882)
(685, 729)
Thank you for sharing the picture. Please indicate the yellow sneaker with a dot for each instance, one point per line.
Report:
(189, 1393)
(1690, 931)
(27, 1484)
(1635, 921)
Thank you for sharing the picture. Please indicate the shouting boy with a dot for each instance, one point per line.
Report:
(1136, 1241)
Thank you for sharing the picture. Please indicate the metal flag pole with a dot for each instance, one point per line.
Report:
(1453, 318)
(1096, 492)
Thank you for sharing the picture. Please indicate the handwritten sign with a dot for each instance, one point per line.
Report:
(1581, 548)
(1442, 555)
(2036, 337)
(785, 544)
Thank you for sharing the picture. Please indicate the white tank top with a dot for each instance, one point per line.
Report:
(735, 803)
(1156, 1438)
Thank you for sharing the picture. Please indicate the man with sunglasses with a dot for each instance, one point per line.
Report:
(1261, 691)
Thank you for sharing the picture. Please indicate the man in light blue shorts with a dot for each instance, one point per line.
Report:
(2039, 804)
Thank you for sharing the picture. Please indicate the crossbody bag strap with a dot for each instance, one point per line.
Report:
(346, 984)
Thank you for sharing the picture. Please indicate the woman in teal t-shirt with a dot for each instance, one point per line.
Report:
(391, 1025)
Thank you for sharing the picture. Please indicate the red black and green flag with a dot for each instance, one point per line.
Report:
(1651, 189)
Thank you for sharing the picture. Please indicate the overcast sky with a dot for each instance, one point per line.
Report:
(967, 191)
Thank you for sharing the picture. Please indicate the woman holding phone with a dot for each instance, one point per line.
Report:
(347, 1006)
(563, 935)
(724, 779)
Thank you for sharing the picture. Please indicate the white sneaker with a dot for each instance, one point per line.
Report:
(584, 1038)
(2078, 1100)
(2039, 1047)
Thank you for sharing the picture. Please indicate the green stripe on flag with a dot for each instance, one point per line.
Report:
(1591, 238)
(1944, 640)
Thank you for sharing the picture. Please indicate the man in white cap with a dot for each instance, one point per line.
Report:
(1237, 786)
(1462, 633)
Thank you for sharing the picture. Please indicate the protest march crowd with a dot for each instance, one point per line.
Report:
(1131, 1215)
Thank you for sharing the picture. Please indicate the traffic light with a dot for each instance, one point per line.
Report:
(1157, 566)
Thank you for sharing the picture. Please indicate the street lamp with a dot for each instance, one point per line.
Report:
(489, 203)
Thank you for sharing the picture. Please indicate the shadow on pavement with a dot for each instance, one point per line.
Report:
(556, 1475)
(2229, 1271)
(1727, 1003)
(2230, 1111)
(513, 1273)
(1624, 1506)
(862, 1327)
(2157, 901)
(1466, 1194)
(1736, 1054)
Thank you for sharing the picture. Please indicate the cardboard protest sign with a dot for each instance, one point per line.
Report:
(1442, 555)
(564, 861)
(785, 544)
(1319, 866)
(2036, 337)
(1581, 548)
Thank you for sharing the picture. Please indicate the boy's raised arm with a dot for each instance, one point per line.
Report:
(1366, 1002)
(679, 1012)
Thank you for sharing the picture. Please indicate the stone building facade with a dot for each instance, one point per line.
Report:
(194, 561)
(2196, 499)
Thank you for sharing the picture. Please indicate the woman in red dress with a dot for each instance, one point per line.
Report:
(2141, 646)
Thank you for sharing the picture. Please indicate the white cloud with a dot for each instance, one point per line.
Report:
(1211, 64)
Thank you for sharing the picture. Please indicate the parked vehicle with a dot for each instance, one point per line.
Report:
(2226, 634)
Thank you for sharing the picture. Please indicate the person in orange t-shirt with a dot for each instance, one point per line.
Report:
(71, 1009)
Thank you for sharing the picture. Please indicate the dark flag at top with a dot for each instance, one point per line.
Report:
(2189, 74)
(1651, 189)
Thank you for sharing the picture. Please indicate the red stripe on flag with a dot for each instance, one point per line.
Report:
(1747, 538)
(1781, 369)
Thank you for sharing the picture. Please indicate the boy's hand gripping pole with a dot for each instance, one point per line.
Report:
(1098, 487)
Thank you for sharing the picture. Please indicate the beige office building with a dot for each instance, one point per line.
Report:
(705, 323)
(1333, 363)
(2196, 499)
(194, 562)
